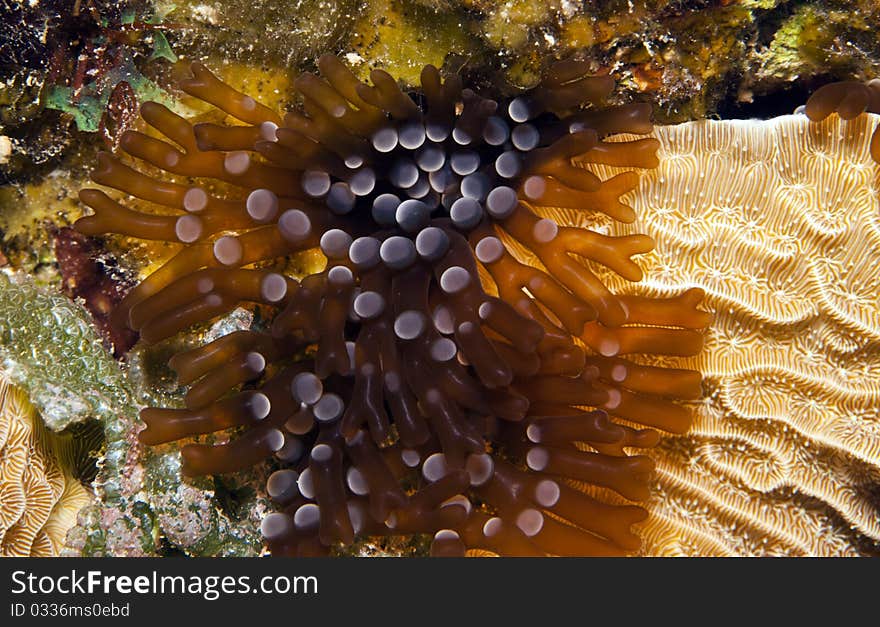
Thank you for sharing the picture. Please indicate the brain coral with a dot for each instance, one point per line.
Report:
(779, 222)
(426, 380)
(39, 498)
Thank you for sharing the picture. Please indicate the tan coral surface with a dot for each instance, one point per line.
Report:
(779, 222)
(38, 499)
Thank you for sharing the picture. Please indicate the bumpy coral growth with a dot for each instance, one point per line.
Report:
(428, 380)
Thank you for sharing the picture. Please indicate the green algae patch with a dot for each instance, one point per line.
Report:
(49, 348)
(829, 38)
(88, 106)
(794, 45)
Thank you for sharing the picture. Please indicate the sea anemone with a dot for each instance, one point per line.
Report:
(456, 368)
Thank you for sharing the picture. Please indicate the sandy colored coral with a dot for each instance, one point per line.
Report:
(39, 498)
(778, 222)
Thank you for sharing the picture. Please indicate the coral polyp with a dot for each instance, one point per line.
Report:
(457, 368)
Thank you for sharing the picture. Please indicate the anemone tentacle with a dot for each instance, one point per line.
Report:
(848, 99)
(457, 366)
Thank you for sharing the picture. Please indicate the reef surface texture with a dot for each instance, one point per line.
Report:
(779, 222)
(69, 404)
(49, 347)
(39, 496)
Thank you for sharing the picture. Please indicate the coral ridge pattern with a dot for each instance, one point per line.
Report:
(40, 498)
(777, 221)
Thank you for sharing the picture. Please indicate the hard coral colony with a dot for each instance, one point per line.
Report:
(456, 369)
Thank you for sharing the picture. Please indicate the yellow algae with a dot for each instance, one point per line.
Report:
(401, 38)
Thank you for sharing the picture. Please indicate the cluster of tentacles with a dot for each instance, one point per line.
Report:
(426, 381)
(848, 99)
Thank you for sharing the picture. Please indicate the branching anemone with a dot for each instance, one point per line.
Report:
(427, 380)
